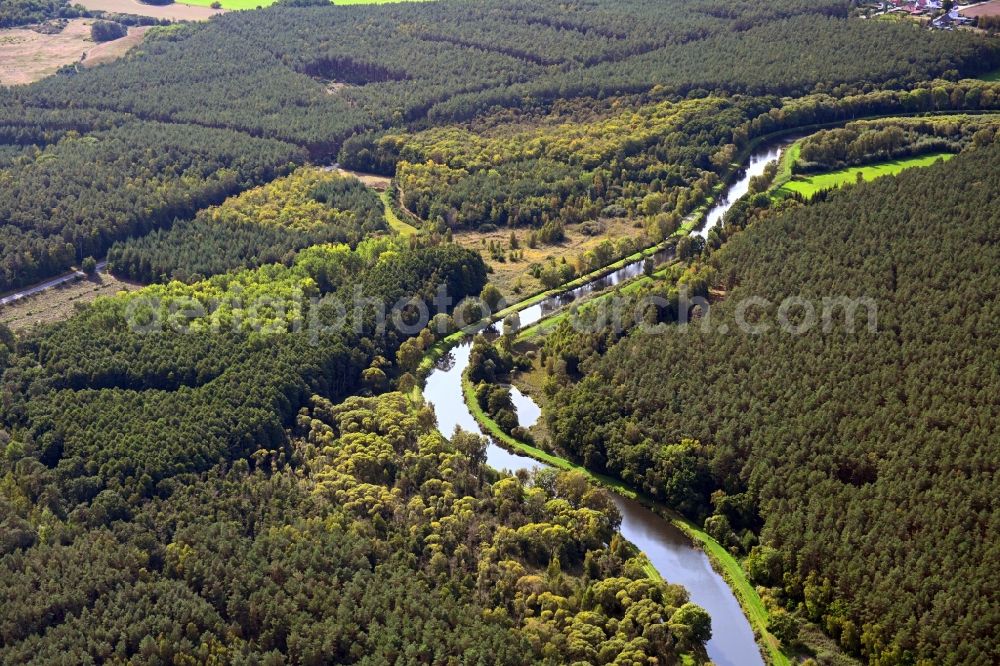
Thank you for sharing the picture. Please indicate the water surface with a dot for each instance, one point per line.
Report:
(669, 550)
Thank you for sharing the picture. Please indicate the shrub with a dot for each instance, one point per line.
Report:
(106, 31)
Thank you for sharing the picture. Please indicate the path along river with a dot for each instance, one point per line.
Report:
(670, 551)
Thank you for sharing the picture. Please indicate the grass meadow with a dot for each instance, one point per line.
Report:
(808, 186)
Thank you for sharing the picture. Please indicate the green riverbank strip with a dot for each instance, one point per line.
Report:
(785, 164)
(722, 560)
(808, 186)
(402, 228)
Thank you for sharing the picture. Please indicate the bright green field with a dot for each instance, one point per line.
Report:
(400, 227)
(807, 187)
(254, 4)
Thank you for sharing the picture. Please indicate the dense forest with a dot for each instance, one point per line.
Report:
(273, 69)
(143, 386)
(75, 196)
(869, 456)
(365, 538)
(232, 464)
(290, 79)
(576, 162)
(265, 225)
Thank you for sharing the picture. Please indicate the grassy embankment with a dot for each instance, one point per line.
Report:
(808, 186)
(785, 163)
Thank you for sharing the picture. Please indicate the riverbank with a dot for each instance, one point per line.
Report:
(722, 560)
(808, 185)
(743, 602)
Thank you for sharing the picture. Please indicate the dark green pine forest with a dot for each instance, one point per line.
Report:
(231, 465)
(207, 110)
(264, 225)
(867, 459)
(367, 538)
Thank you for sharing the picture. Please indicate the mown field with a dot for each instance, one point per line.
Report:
(809, 186)
(194, 11)
(27, 56)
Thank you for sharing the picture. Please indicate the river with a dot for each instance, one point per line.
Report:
(669, 549)
(758, 161)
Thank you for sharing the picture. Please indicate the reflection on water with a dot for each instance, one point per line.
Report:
(528, 411)
(670, 551)
(755, 167)
(678, 561)
(544, 308)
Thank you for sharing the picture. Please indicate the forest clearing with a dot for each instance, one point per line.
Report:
(175, 11)
(60, 302)
(27, 55)
(809, 185)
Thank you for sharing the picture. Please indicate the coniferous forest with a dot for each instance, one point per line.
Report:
(866, 460)
(289, 81)
(231, 463)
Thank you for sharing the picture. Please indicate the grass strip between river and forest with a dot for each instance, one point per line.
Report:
(722, 560)
(809, 185)
(402, 228)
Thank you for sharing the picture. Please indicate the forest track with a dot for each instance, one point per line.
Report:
(49, 284)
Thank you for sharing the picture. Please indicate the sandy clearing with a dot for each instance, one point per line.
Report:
(27, 56)
(172, 12)
(108, 51)
(372, 180)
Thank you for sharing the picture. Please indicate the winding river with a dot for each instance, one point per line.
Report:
(670, 551)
